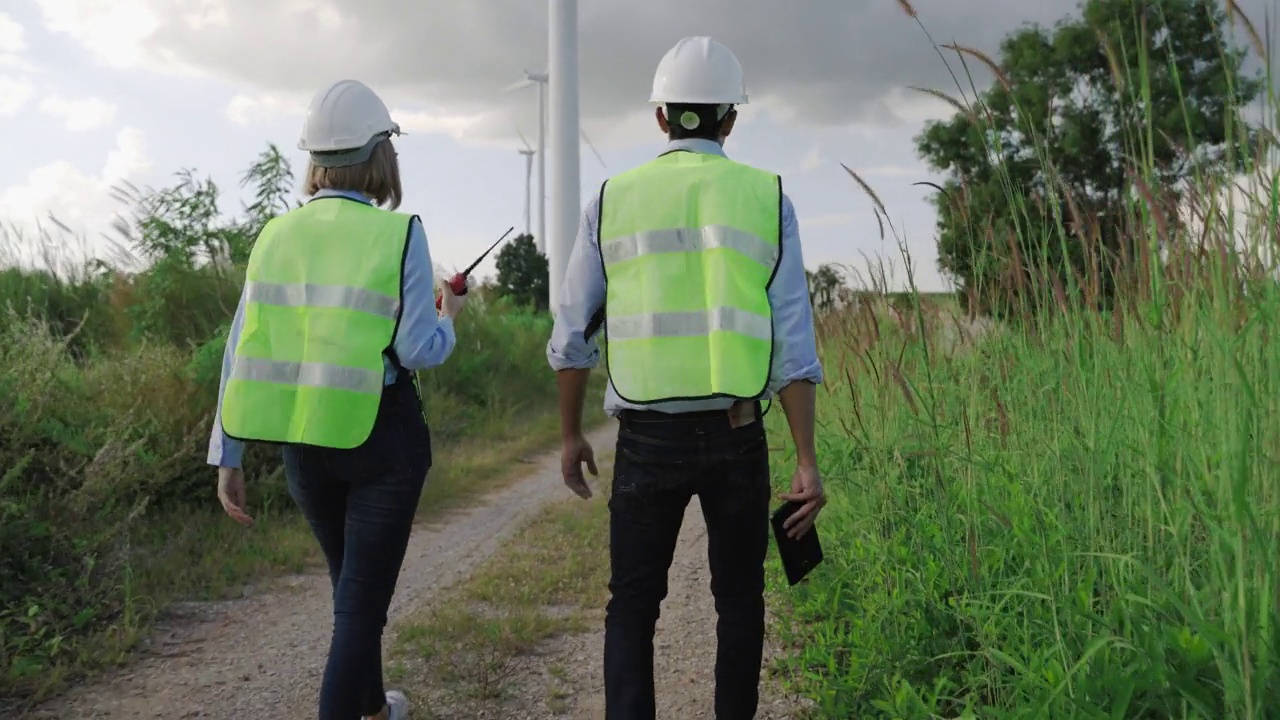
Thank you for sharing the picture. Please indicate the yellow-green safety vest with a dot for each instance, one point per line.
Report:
(322, 298)
(690, 243)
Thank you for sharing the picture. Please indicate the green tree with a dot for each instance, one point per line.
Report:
(1038, 169)
(188, 246)
(523, 273)
(823, 284)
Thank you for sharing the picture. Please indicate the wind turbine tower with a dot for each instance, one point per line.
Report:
(566, 200)
(528, 154)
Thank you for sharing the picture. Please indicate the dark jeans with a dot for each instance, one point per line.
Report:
(662, 462)
(360, 504)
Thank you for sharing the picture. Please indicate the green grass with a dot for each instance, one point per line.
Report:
(1074, 514)
(1059, 526)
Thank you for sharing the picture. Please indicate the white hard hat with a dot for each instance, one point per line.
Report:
(699, 70)
(344, 123)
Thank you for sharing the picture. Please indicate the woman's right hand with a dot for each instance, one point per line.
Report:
(231, 493)
(450, 304)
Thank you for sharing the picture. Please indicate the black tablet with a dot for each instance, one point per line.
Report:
(798, 556)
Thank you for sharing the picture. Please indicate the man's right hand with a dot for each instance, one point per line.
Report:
(806, 488)
(450, 304)
(576, 452)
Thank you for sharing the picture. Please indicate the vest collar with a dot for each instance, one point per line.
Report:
(696, 145)
(348, 194)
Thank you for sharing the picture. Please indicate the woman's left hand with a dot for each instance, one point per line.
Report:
(231, 493)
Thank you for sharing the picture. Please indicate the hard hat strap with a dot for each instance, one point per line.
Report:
(344, 158)
(688, 117)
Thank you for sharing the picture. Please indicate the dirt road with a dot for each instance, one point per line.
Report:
(684, 653)
(263, 655)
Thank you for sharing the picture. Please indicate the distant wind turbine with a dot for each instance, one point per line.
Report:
(541, 80)
(528, 154)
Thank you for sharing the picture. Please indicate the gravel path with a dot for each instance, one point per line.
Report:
(684, 653)
(263, 655)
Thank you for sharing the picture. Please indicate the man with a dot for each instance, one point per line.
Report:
(693, 264)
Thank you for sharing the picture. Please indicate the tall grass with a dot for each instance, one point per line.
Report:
(1072, 514)
(108, 379)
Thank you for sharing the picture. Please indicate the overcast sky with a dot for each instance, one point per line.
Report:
(93, 92)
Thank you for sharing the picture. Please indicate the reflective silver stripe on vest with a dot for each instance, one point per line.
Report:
(312, 295)
(689, 324)
(307, 374)
(674, 240)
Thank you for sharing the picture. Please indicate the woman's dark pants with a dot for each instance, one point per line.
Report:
(360, 504)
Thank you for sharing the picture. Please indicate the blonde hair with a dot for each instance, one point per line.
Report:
(378, 177)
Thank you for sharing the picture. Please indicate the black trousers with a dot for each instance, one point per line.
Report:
(662, 461)
(360, 504)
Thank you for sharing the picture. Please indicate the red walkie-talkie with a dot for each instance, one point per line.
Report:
(458, 283)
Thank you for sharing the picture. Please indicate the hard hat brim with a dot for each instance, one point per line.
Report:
(668, 100)
(348, 156)
(349, 143)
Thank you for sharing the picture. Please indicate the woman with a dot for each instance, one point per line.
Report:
(337, 312)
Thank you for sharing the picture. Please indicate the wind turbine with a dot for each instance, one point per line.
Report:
(528, 154)
(541, 80)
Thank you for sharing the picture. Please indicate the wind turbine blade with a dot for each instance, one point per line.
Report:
(515, 125)
(517, 85)
(591, 145)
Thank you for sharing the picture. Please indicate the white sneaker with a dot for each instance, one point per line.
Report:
(397, 705)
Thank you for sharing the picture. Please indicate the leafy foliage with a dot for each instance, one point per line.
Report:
(1039, 180)
(523, 273)
(823, 286)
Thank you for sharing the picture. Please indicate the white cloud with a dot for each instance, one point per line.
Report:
(15, 93)
(262, 108)
(78, 199)
(115, 32)
(81, 114)
(812, 160)
(267, 108)
(13, 37)
(915, 108)
(459, 126)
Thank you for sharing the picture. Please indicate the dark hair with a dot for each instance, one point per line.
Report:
(708, 127)
(378, 177)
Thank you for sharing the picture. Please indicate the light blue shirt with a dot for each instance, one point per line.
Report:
(795, 353)
(423, 340)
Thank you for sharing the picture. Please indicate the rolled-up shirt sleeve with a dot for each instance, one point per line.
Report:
(581, 297)
(225, 451)
(423, 339)
(795, 347)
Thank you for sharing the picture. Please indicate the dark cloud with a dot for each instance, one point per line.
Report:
(827, 61)
(821, 62)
